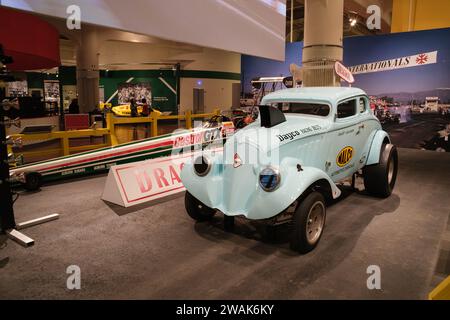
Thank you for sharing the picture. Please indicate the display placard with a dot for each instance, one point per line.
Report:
(343, 72)
(76, 121)
(131, 184)
(51, 96)
(17, 89)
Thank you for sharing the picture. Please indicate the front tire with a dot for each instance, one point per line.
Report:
(379, 179)
(196, 209)
(33, 181)
(308, 223)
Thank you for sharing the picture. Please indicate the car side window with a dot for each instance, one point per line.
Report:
(346, 109)
(362, 106)
(316, 109)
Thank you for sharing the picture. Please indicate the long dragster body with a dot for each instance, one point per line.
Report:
(100, 160)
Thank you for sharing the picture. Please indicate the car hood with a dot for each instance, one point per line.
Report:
(232, 186)
(295, 127)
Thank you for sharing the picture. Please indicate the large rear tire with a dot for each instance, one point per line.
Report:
(308, 223)
(379, 179)
(196, 209)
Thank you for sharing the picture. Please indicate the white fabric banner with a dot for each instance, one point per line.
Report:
(397, 63)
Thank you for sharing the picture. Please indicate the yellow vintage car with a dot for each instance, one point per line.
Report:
(124, 109)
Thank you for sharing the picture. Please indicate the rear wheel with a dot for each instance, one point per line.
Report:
(33, 181)
(308, 223)
(196, 209)
(379, 179)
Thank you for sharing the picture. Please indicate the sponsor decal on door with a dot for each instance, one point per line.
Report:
(344, 156)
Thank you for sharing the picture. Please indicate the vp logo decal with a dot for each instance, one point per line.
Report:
(344, 156)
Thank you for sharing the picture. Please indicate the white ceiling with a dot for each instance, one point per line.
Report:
(255, 27)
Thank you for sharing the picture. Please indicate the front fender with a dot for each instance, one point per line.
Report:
(293, 184)
(255, 202)
(375, 148)
(207, 189)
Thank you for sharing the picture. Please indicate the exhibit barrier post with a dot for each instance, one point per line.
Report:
(111, 138)
(7, 220)
(188, 120)
(154, 119)
(65, 146)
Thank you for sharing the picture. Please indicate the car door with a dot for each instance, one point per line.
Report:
(345, 143)
(366, 125)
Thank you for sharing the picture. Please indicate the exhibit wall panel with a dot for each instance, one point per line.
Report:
(218, 93)
(217, 86)
(414, 15)
(162, 95)
(255, 27)
(406, 74)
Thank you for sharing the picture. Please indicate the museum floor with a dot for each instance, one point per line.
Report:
(159, 252)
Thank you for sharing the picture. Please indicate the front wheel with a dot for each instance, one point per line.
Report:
(196, 209)
(379, 179)
(308, 223)
(33, 181)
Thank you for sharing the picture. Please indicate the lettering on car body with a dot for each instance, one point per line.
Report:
(291, 135)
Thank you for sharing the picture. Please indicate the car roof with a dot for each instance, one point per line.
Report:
(331, 94)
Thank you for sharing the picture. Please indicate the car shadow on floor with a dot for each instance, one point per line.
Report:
(347, 219)
(350, 214)
(120, 211)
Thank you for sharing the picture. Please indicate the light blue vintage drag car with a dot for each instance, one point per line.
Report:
(304, 141)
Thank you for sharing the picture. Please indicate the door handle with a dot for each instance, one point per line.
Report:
(360, 127)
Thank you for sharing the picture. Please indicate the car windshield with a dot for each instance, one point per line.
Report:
(316, 109)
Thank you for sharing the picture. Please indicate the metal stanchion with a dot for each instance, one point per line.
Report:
(7, 219)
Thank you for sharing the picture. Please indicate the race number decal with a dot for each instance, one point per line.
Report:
(344, 156)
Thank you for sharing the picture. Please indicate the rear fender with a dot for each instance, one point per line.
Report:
(375, 148)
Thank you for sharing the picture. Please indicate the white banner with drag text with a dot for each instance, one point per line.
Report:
(135, 183)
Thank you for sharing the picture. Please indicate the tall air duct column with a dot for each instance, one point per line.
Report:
(322, 45)
(87, 70)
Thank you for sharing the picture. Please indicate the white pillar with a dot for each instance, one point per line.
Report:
(87, 70)
(322, 44)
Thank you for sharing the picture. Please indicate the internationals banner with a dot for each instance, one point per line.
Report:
(397, 63)
(405, 74)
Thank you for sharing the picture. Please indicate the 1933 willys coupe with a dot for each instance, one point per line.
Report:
(304, 142)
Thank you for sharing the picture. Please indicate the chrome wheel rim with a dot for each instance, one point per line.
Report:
(390, 172)
(315, 222)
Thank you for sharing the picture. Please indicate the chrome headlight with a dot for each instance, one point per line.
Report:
(269, 179)
(202, 165)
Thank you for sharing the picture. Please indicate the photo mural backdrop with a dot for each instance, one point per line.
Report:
(406, 75)
(136, 91)
(154, 84)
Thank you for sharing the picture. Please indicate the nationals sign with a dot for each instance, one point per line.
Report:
(139, 182)
(397, 63)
